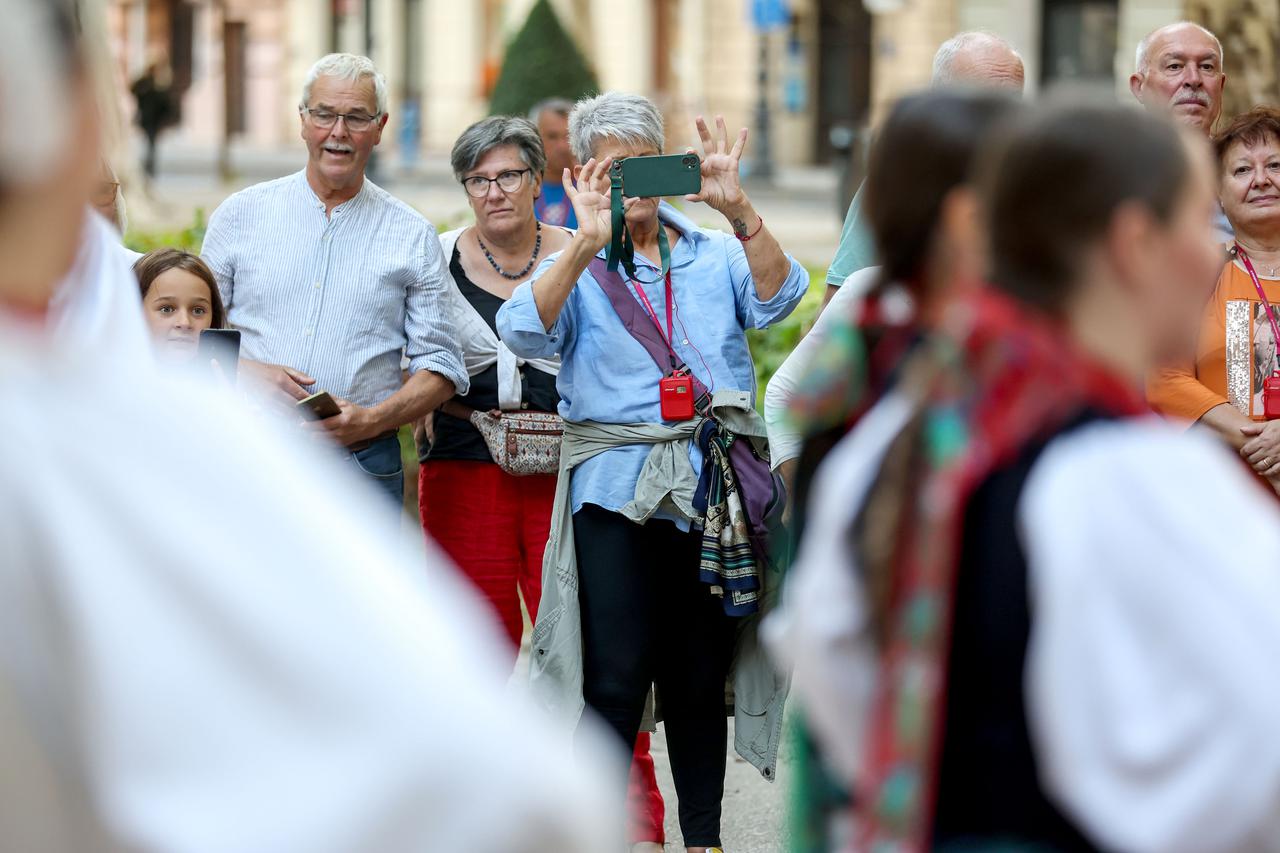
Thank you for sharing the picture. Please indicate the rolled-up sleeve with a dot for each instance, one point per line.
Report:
(520, 325)
(753, 312)
(431, 341)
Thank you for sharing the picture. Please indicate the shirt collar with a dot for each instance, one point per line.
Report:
(691, 233)
(350, 204)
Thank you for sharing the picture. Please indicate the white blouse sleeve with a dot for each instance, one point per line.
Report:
(821, 629)
(784, 439)
(1152, 691)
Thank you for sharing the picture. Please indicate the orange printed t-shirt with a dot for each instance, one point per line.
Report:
(1235, 351)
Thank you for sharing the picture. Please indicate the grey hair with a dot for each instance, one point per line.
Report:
(1140, 58)
(945, 58)
(559, 106)
(630, 119)
(346, 66)
(491, 132)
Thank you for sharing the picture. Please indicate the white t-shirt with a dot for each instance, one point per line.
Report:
(97, 308)
(785, 441)
(202, 649)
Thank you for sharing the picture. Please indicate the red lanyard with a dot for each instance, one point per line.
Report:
(669, 335)
(1266, 306)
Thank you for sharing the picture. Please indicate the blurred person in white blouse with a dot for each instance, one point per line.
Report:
(200, 650)
(330, 278)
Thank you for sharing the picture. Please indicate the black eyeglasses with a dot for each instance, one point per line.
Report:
(510, 181)
(325, 119)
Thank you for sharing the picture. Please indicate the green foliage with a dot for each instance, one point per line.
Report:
(541, 62)
(770, 347)
(189, 238)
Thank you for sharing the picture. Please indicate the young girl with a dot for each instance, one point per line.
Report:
(179, 299)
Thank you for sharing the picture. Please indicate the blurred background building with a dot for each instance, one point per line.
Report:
(833, 65)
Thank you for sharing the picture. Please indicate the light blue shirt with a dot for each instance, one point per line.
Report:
(606, 376)
(339, 297)
(857, 249)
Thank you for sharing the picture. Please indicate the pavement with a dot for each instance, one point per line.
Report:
(754, 811)
(800, 204)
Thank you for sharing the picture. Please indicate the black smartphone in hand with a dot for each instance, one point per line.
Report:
(222, 346)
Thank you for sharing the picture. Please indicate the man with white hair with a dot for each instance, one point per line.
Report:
(1177, 69)
(974, 58)
(329, 278)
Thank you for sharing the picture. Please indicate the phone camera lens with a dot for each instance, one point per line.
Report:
(690, 160)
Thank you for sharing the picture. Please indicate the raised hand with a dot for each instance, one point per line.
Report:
(590, 200)
(720, 186)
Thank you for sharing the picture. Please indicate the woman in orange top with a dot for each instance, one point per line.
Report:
(1236, 348)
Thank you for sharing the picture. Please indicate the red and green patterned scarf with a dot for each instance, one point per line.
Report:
(993, 379)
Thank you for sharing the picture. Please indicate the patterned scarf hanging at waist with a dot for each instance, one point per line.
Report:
(740, 499)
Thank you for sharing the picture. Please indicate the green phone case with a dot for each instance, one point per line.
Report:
(661, 175)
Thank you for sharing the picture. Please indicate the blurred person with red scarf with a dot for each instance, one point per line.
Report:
(1018, 600)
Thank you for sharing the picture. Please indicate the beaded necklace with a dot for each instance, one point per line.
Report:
(537, 247)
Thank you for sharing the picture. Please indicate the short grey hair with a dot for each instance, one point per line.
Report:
(559, 106)
(1140, 58)
(945, 58)
(346, 66)
(630, 119)
(491, 132)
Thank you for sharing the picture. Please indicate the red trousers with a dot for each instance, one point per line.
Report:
(494, 526)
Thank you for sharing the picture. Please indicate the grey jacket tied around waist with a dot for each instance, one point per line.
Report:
(666, 480)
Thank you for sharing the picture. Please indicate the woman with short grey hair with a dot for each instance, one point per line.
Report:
(493, 522)
(656, 559)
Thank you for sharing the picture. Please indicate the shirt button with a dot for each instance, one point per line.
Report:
(524, 405)
(308, 333)
(685, 341)
(318, 287)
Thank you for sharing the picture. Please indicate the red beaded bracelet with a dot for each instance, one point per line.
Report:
(752, 234)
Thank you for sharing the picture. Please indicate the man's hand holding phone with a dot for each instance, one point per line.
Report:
(343, 421)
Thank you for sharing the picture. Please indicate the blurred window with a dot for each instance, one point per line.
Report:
(1079, 41)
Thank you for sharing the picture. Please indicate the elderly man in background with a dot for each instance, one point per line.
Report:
(330, 278)
(552, 119)
(1178, 70)
(967, 59)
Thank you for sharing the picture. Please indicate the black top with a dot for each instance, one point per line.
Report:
(457, 439)
(989, 783)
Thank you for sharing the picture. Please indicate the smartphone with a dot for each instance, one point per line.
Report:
(660, 175)
(320, 406)
(222, 345)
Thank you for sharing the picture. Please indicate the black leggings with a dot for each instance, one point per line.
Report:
(648, 619)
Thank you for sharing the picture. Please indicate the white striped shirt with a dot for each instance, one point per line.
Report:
(337, 297)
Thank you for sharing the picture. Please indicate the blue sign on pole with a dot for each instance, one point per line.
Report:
(770, 14)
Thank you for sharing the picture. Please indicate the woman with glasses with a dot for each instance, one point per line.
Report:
(655, 546)
(491, 522)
